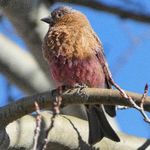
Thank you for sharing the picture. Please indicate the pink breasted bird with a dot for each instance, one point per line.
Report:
(75, 56)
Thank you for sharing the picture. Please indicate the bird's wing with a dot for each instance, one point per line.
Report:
(102, 59)
(110, 109)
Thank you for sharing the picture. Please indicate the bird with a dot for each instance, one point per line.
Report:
(75, 56)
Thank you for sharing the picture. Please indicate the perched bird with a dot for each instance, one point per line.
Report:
(75, 56)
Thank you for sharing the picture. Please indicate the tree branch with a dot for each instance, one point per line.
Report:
(21, 134)
(20, 67)
(25, 16)
(25, 105)
(124, 14)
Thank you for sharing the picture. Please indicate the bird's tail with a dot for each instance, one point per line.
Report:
(99, 126)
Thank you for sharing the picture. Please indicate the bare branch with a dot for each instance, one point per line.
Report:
(123, 93)
(20, 67)
(141, 108)
(98, 5)
(133, 104)
(25, 16)
(124, 14)
(68, 133)
(25, 105)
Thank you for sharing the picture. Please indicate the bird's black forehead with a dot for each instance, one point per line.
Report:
(63, 9)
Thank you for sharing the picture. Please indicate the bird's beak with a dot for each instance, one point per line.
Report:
(47, 20)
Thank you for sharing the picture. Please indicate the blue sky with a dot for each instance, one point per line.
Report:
(117, 36)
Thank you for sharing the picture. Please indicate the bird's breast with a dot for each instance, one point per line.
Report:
(68, 42)
(82, 71)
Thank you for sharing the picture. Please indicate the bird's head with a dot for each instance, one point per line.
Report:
(65, 16)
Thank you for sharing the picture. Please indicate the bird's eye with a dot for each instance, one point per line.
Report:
(59, 15)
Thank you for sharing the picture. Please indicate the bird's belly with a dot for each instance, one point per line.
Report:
(71, 72)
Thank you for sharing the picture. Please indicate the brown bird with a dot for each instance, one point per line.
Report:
(75, 56)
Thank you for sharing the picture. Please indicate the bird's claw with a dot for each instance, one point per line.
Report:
(80, 90)
(80, 86)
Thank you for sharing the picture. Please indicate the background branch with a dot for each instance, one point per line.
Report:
(21, 68)
(21, 133)
(25, 17)
(120, 12)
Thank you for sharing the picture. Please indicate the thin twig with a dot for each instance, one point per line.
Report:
(139, 108)
(38, 126)
(56, 111)
(146, 118)
(144, 96)
(123, 93)
(47, 132)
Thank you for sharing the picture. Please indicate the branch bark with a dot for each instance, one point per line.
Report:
(21, 134)
(25, 105)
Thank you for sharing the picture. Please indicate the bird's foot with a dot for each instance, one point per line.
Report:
(80, 90)
(81, 86)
